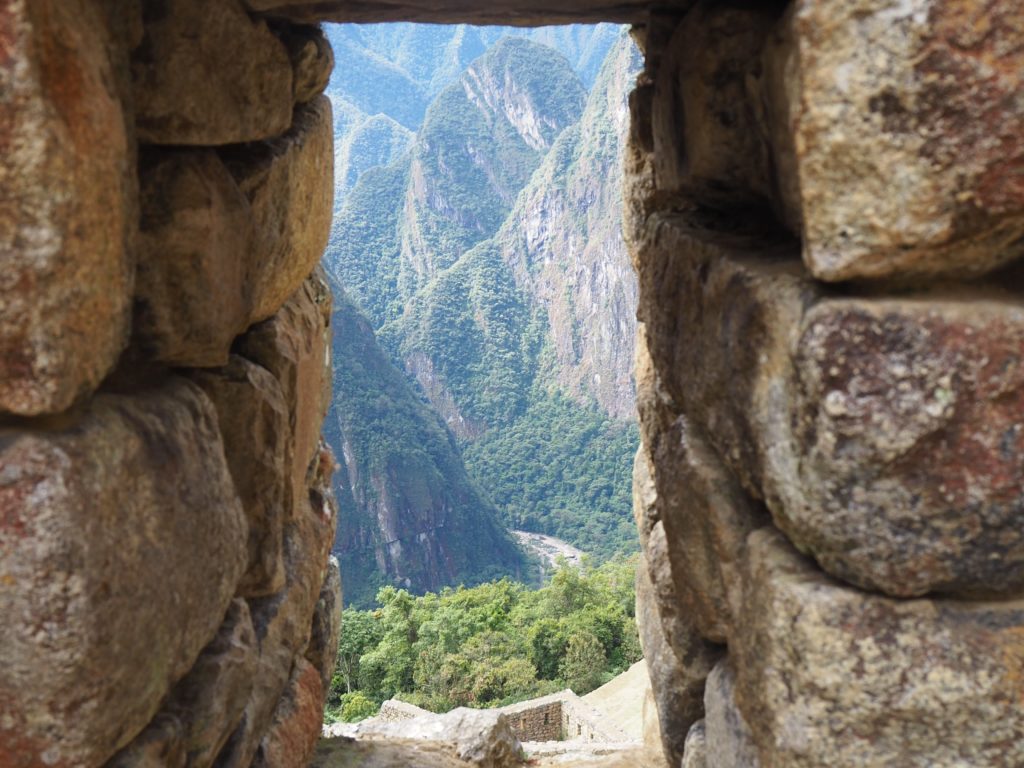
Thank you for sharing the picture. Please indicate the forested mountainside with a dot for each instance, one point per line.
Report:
(421, 522)
(488, 258)
(393, 72)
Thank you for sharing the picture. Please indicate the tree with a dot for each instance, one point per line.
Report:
(360, 633)
(584, 663)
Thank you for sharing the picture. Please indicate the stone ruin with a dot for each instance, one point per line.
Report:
(825, 208)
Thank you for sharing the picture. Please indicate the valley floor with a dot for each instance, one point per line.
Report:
(549, 548)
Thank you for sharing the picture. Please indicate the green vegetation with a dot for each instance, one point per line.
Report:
(424, 248)
(564, 470)
(488, 646)
(405, 475)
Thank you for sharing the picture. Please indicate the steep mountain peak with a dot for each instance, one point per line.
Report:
(481, 139)
(514, 79)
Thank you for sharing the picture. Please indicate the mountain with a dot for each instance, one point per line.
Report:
(411, 515)
(489, 260)
(396, 70)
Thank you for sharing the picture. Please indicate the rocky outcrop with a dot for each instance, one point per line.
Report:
(479, 737)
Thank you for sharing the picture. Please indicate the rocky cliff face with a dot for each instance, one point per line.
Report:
(563, 243)
(410, 513)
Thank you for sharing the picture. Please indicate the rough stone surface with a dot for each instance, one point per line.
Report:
(97, 628)
(703, 516)
(255, 426)
(207, 74)
(191, 290)
(312, 60)
(728, 740)
(67, 212)
(678, 661)
(936, 96)
(160, 745)
(526, 13)
(696, 750)
(883, 433)
(322, 651)
(824, 669)
(481, 737)
(706, 140)
(291, 740)
(288, 182)
(293, 345)
(343, 752)
(282, 622)
(909, 443)
(204, 708)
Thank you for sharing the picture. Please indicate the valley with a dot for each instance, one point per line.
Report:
(484, 331)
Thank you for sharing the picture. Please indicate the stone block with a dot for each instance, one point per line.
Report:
(884, 434)
(909, 156)
(255, 425)
(160, 745)
(206, 74)
(283, 626)
(678, 661)
(298, 720)
(828, 672)
(294, 346)
(289, 183)
(705, 518)
(322, 651)
(695, 754)
(121, 542)
(908, 436)
(729, 742)
(705, 128)
(204, 708)
(312, 60)
(191, 289)
(67, 213)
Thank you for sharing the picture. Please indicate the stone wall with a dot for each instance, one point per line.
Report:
(827, 234)
(825, 207)
(165, 505)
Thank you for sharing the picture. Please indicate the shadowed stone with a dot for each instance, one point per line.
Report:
(67, 211)
(728, 740)
(206, 74)
(121, 542)
(293, 734)
(312, 60)
(282, 623)
(288, 182)
(322, 651)
(255, 426)
(825, 669)
(678, 661)
(293, 345)
(204, 708)
(706, 141)
(191, 289)
(695, 754)
(526, 13)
